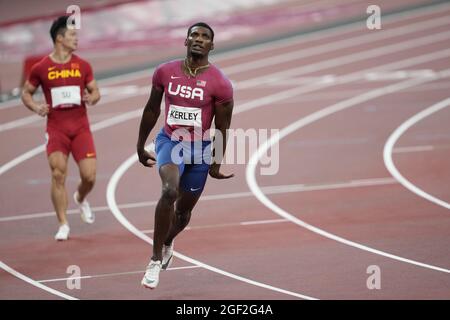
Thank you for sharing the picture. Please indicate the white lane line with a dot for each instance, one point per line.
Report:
(48, 214)
(348, 78)
(10, 103)
(398, 75)
(342, 93)
(22, 158)
(248, 223)
(338, 45)
(231, 224)
(344, 60)
(115, 274)
(412, 149)
(20, 122)
(34, 283)
(318, 115)
(329, 186)
(387, 152)
(97, 126)
(267, 190)
(111, 199)
(105, 100)
(298, 54)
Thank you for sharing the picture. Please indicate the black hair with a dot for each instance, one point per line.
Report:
(59, 26)
(204, 25)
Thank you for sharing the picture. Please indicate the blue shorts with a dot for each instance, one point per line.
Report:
(192, 158)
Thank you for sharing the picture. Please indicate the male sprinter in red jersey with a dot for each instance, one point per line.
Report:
(196, 92)
(68, 85)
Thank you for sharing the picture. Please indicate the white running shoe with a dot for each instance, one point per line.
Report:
(167, 253)
(151, 277)
(86, 213)
(63, 233)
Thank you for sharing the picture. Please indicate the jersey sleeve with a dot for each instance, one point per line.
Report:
(157, 80)
(89, 72)
(224, 90)
(34, 77)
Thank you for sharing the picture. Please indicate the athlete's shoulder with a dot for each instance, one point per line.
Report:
(43, 63)
(220, 76)
(78, 59)
(39, 71)
(164, 70)
(218, 73)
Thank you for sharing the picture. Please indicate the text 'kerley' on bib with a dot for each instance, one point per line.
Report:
(66, 96)
(183, 116)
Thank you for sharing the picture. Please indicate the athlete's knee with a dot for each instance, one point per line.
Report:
(58, 176)
(183, 217)
(88, 179)
(169, 193)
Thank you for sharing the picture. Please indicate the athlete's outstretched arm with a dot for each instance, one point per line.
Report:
(223, 113)
(27, 98)
(93, 94)
(149, 117)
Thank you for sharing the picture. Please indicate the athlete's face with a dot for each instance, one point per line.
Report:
(199, 41)
(69, 39)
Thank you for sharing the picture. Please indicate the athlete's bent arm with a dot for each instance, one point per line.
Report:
(149, 117)
(28, 90)
(92, 96)
(223, 113)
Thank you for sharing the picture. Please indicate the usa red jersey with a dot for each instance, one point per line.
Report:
(190, 101)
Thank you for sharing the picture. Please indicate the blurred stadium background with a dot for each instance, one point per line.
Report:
(120, 36)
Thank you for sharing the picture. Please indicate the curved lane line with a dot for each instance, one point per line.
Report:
(387, 152)
(251, 168)
(111, 199)
(35, 283)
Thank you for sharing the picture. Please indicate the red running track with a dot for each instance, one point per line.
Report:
(331, 177)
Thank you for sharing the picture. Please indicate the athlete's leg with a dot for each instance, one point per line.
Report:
(58, 166)
(87, 169)
(83, 151)
(192, 183)
(170, 177)
(183, 208)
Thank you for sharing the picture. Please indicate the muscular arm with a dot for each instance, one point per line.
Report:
(27, 99)
(223, 113)
(149, 117)
(93, 94)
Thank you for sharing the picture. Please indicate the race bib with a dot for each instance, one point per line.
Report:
(183, 116)
(66, 96)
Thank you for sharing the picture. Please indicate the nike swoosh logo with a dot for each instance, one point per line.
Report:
(90, 155)
(192, 189)
(51, 68)
(172, 77)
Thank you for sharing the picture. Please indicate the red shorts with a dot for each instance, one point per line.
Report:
(80, 142)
